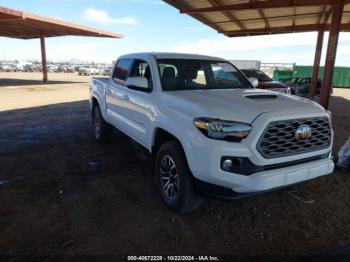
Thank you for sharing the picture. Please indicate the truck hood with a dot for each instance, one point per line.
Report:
(243, 105)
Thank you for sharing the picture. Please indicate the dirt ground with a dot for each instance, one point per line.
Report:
(62, 193)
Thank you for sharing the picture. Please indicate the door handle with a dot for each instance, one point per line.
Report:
(126, 97)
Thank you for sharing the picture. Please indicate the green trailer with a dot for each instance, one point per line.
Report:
(282, 75)
(341, 75)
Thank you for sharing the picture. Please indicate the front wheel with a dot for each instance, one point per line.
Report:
(102, 130)
(174, 179)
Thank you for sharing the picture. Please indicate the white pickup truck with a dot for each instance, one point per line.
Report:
(208, 129)
(88, 71)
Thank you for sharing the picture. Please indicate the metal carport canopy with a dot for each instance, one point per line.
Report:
(263, 17)
(18, 24)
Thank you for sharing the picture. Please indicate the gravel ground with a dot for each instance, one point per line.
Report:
(61, 193)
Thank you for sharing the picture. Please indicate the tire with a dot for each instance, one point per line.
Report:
(102, 130)
(174, 180)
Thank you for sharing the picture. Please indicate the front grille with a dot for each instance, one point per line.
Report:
(278, 139)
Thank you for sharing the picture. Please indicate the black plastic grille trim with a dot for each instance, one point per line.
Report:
(278, 139)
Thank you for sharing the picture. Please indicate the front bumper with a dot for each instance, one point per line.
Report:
(270, 179)
(285, 176)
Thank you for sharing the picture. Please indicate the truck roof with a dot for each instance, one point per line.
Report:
(161, 55)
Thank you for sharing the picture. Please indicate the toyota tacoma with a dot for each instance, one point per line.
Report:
(210, 133)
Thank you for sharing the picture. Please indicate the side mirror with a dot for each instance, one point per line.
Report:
(254, 81)
(138, 83)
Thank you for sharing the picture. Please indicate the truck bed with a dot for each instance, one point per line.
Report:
(104, 80)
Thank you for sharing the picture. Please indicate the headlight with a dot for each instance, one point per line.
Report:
(222, 129)
(330, 114)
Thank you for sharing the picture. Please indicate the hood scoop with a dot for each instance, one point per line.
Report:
(261, 96)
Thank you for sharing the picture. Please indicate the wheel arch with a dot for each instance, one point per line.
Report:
(162, 135)
(94, 102)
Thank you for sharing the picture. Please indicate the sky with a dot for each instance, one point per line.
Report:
(151, 25)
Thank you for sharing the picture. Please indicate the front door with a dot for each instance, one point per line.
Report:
(140, 110)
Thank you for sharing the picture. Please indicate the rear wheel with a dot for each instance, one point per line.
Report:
(174, 179)
(102, 130)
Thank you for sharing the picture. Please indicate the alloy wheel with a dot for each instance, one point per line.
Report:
(169, 178)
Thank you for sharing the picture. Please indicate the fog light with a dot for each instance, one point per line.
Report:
(239, 165)
(227, 164)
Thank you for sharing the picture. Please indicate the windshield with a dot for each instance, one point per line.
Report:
(260, 75)
(186, 74)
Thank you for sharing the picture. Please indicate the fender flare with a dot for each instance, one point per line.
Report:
(182, 138)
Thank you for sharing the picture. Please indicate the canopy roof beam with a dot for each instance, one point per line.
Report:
(230, 16)
(286, 29)
(263, 5)
(261, 13)
(199, 17)
(18, 24)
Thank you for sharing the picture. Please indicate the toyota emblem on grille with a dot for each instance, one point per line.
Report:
(303, 132)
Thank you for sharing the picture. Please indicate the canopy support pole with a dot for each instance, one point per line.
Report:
(43, 58)
(331, 54)
(318, 53)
